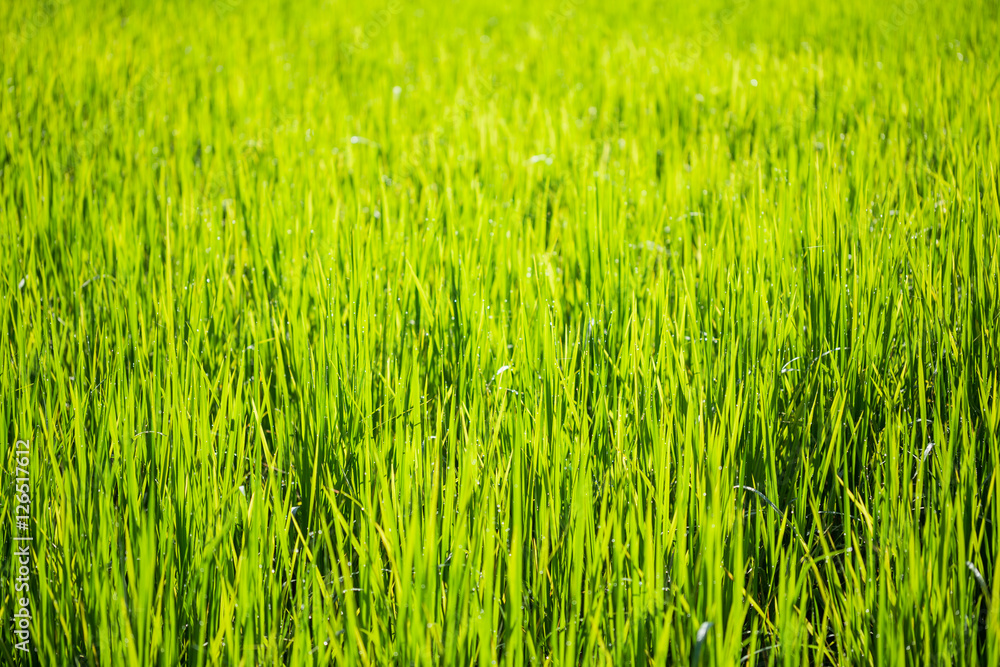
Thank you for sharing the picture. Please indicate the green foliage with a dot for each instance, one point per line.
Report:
(558, 332)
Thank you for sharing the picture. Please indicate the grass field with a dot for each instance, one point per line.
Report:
(556, 332)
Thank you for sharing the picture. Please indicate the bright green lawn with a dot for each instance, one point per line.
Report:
(556, 332)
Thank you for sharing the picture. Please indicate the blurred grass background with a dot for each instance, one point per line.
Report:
(523, 333)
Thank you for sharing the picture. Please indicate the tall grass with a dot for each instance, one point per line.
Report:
(503, 333)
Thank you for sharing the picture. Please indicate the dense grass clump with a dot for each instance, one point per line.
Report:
(557, 332)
